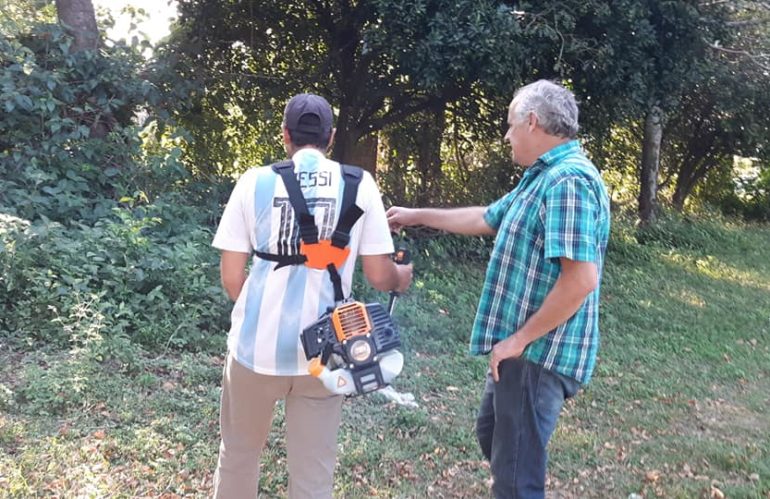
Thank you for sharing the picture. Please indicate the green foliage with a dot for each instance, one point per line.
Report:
(104, 240)
(471, 173)
(616, 155)
(447, 47)
(628, 55)
(378, 62)
(702, 63)
(127, 280)
(740, 188)
(758, 205)
(55, 387)
(720, 117)
(18, 16)
(674, 232)
(433, 78)
(54, 158)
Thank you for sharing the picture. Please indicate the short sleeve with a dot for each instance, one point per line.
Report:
(571, 212)
(233, 230)
(495, 212)
(375, 233)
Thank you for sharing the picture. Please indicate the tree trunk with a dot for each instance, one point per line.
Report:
(685, 183)
(79, 20)
(363, 153)
(681, 192)
(695, 166)
(429, 138)
(648, 193)
(343, 140)
(351, 146)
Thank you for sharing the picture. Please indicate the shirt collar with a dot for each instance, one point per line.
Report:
(306, 153)
(556, 154)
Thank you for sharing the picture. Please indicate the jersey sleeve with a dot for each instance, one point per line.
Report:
(233, 231)
(375, 233)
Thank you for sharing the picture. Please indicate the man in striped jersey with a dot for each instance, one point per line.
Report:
(274, 303)
(539, 307)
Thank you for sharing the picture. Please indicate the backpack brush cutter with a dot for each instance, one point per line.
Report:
(352, 348)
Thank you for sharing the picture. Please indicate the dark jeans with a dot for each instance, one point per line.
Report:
(516, 419)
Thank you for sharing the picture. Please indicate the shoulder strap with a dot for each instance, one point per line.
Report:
(307, 229)
(349, 211)
(349, 215)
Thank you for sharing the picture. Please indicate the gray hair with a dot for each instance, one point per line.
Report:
(554, 106)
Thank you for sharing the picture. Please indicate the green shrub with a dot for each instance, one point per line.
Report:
(128, 278)
(57, 386)
(70, 146)
(743, 190)
(705, 233)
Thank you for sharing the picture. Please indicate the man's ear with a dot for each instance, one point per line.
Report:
(532, 122)
(286, 136)
(331, 139)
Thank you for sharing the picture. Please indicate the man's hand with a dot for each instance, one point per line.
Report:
(399, 217)
(384, 274)
(404, 277)
(511, 347)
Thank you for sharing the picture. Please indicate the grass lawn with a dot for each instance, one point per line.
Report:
(678, 406)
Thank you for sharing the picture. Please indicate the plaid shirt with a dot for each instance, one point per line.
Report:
(559, 209)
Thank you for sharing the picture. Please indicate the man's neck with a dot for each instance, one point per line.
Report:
(551, 142)
(291, 150)
(547, 143)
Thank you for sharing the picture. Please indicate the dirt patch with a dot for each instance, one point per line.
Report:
(728, 416)
(461, 480)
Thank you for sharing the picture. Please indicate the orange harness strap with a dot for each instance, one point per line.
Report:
(319, 255)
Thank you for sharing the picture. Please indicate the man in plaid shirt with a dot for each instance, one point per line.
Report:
(539, 308)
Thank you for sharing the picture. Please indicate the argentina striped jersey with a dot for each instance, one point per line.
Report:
(275, 305)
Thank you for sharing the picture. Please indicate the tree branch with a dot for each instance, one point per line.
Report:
(398, 113)
(758, 59)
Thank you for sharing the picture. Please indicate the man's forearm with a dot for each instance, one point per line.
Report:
(384, 275)
(565, 298)
(557, 308)
(233, 287)
(232, 268)
(575, 282)
(468, 221)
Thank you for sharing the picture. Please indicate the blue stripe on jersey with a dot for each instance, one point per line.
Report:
(263, 206)
(248, 335)
(287, 341)
(263, 199)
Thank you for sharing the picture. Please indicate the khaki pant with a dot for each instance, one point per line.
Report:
(312, 421)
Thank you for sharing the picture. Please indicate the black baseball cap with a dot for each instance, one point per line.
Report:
(308, 118)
